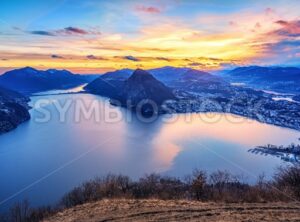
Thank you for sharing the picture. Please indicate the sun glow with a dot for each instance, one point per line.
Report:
(131, 36)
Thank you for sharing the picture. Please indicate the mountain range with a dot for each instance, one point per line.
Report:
(177, 78)
(157, 85)
(280, 79)
(141, 87)
(132, 89)
(29, 80)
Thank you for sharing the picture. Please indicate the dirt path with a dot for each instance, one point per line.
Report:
(158, 210)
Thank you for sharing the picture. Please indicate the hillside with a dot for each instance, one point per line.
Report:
(141, 86)
(102, 87)
(177, 210)
(13, 109)
(282, 79)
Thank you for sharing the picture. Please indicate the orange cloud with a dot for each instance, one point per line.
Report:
(209, 42)
(288, 28)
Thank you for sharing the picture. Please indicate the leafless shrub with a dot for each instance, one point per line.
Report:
(220, 186)
(110, 186)
(287, 179)
(198, 185)
(156, 186)
(22, 212)
(19, 211)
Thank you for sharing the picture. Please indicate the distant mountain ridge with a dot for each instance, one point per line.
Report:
(174, 77)
(168, 74)
(29, 80)
(282, 79)
(164, 74)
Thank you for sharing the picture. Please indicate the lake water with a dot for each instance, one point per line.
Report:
(42, 161)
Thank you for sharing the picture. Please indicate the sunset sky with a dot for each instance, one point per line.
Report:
(94, 36)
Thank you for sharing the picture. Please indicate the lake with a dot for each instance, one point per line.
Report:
(46, 157)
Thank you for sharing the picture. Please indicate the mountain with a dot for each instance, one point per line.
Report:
(141, 87)
(281, 79)
(87, 78)
(121, 75)
(13, 109)
(173, 77)
(168, 74)
(29, 80)
(195, 80)
(109, 84)
(124, 86)
(102, 87)
(7, 94)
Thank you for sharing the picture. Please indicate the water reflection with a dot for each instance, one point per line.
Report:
(173, 146)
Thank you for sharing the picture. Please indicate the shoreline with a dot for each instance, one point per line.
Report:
(297, 128)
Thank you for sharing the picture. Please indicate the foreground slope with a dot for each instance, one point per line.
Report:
(175, 210)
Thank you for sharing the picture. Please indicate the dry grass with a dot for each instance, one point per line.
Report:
(177, 210)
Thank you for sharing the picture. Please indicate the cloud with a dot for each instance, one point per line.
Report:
(150, 10)
(46, 33)
(131, 58)
(269, 11)
(92, 57)
(56, 57)
(66, 31)
(80, 31)
(280, 52)
(196, 64)
(73, 30)
(288, 28)
(282, 22)
(163, 58)
(233, 23)
(257, 25)
(283, 46)
(4, 59)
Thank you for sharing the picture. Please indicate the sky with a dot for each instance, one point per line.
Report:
(95, 36)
